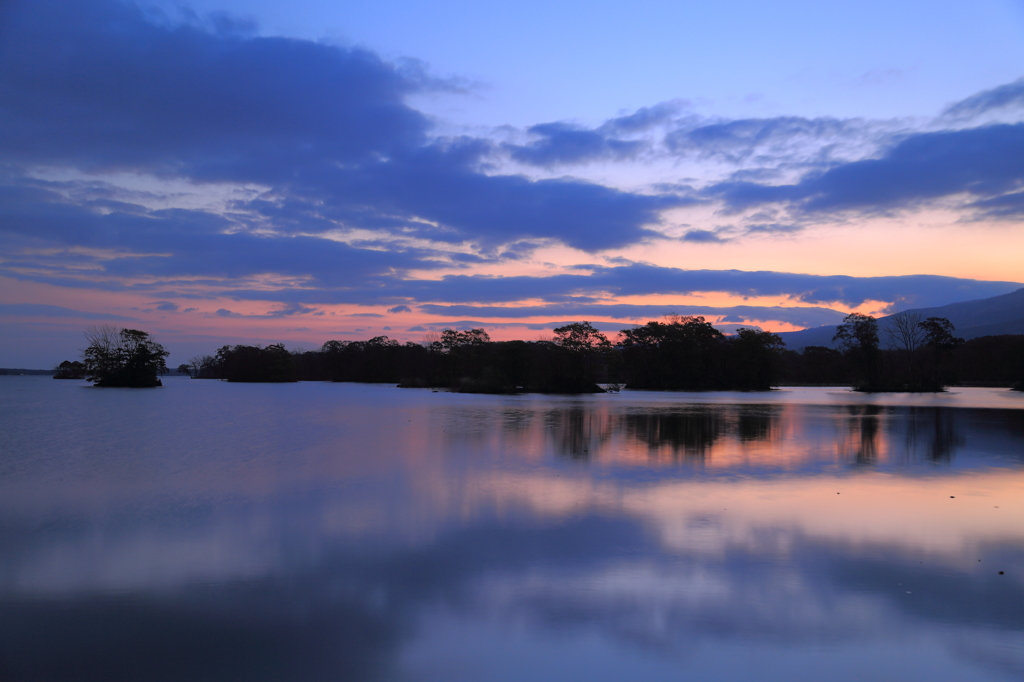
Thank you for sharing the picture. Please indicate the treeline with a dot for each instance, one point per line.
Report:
(685, 353)
(682, 353)
(907, 354)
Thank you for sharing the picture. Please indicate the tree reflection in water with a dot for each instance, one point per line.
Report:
(778, 436)
(689, 434)
(930, 433)
(758, 422)
(863, 427)
(578, 432)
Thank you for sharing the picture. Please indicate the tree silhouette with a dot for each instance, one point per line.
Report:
(940, 342)
(69, 370)
(585, 351)
(858, 337)
(123, 358)
(685, 353)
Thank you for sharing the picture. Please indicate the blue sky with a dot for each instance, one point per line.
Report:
(225, 172)
(537, 61)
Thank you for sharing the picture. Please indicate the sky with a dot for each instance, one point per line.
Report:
(222, 172)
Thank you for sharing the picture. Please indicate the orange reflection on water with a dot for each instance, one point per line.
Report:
(773, 436)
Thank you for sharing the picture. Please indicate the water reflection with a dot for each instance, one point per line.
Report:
(931, 433)
(862, 434)
(577, 431)
(687, 435)
(758, 422)
(730, 436)
(367, 533)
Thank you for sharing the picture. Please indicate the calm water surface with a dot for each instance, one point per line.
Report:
(300, 532)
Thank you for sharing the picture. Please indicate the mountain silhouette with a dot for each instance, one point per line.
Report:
(1002, 314)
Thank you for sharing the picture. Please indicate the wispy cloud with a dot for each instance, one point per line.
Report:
(44, 310)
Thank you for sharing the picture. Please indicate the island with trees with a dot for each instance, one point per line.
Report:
(119, 358)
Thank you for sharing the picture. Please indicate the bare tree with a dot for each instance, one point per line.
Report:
(102, 354)
(903, 331)
(431, 340)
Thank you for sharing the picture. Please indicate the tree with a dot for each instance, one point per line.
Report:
(581, 337)
(69, 370)
(687, 353)
(858, 337)
(904, 330)
(858, 331)
(940, 342)
(241, 363)
(584, 349)
(123, 357)
(903, 362)
(452, 339)
(755, 356)
(938, 334)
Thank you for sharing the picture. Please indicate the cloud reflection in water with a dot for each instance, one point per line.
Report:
(354, 532)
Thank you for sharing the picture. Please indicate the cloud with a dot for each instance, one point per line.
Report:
(417, 328)
(639, 279)
(644, 118)
(287, 310)
(1010, 95)
(702, 236)
(305, 144)
(99, 87)
(290, 309)
(985, 162)
(802, 316)
(174, 244)
(561, 142)
(44, 310)
(441, 182)
(772, 228)
(1005, 206)
(738, 140)
(565, 143)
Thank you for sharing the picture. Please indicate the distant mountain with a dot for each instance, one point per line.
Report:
(985, 317)
(815, 336)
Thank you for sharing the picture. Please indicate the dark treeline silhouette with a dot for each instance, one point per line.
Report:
(683, 353)
(909, 354)
(689, 353)
(990, 361)
(69, 370)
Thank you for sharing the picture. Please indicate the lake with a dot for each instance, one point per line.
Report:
(316, 531)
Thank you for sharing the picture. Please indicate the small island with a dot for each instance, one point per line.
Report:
(119, 358)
